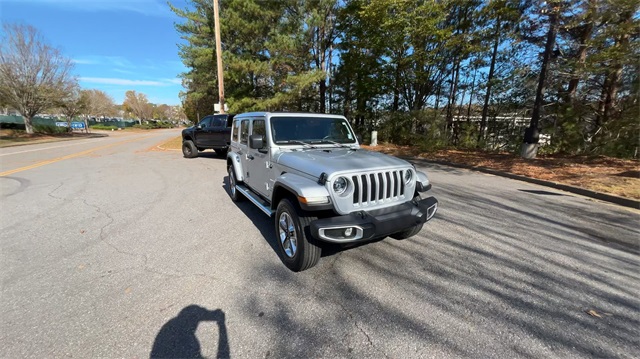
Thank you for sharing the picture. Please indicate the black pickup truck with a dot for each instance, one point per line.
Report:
(213, 132)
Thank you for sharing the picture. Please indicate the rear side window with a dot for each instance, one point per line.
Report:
(219, 122)
(236, 130)
(244, 131)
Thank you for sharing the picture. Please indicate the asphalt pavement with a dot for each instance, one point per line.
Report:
(112, 248)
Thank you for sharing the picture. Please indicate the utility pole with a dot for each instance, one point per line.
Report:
(216, 20)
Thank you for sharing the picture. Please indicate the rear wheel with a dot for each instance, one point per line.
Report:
(189, 149)
(298, 250)
(233, 191)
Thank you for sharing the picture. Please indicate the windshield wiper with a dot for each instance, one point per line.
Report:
(333, 143)
(296, 142)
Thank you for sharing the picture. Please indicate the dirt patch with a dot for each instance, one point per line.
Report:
(598, 173)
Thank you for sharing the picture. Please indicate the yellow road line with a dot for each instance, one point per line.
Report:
(43, 163)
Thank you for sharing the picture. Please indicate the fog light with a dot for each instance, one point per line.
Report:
(348, 232)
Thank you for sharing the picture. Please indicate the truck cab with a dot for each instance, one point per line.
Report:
(212, 132)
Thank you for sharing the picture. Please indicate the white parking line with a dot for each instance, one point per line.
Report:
(49, 148)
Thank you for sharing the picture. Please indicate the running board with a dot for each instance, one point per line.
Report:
(262, 204)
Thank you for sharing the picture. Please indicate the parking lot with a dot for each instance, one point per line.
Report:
(113, 248)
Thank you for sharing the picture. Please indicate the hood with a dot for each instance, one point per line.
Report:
(314, 162)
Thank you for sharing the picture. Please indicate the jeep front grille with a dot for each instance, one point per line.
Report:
(378, 187)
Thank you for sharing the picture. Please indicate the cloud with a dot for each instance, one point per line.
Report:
(84, 62)
(122, 82)
(175, 81)
(112, 61)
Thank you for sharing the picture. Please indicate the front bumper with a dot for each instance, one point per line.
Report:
(365, 225)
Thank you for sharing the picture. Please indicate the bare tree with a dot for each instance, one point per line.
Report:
(33, 75)
(100, 104)
(74, 104)
(138, 104)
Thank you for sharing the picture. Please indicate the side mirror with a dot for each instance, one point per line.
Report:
(198, 127)
(256, 142)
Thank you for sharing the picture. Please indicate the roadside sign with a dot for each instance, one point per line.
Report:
(61, 124)
(77, 125)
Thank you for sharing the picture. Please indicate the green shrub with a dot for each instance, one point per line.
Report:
(49, 129)
(144, 127)
(103, 127)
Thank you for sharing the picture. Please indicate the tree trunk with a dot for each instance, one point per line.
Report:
(581, 55)
(396, 88)
(616, 72)
(323, 95)
(487, 95)
(530, 144)
(28, 123)
(473, 92)
(546, 57)
(455, 76)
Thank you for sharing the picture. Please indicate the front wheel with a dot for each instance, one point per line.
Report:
(298, 250)
(189, 149)
(411, 231)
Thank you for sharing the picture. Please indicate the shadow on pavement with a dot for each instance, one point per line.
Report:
(177, 338)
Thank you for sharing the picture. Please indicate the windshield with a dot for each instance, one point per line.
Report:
(316, 130)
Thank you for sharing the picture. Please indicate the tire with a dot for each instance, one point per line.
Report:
(233, 192)
(189, 149)
(221, 153)
(411, 231)
(297, 249)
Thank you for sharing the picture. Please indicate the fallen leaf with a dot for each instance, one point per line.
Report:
(593, 313)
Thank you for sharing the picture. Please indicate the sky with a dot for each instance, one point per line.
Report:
(116, 45)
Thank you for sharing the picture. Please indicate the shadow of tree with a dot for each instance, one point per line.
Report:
(177, 338)
(266, 225)
(502, 274)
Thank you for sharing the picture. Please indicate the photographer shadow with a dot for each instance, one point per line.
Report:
(177, 338)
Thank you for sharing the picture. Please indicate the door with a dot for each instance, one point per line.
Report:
(243, 145)
(219, 133)
(202, 132)
(259, 162)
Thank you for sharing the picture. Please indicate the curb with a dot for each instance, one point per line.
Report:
(621, 201)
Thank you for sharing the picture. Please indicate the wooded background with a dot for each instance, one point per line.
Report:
(449, 73)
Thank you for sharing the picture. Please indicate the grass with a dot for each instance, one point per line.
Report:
(173, 144)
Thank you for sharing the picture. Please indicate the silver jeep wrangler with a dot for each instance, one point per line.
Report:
(309, 171)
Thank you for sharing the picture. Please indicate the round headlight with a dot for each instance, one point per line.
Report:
(408, 175)
(340, 185)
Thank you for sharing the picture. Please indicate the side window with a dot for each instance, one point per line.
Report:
(259, 128)
(236, 131)
(219, 122)
(244, 132)
(206, 122)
